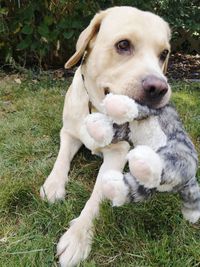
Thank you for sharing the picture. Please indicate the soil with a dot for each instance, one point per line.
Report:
(184, 67)
(180, 67)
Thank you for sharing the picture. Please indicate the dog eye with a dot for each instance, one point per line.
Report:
(164, 54)
(123, 46)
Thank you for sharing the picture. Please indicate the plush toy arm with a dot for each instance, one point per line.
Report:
(120, 108)
(123, 109)
(96, 131)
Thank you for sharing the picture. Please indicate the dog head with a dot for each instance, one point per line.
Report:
(127, 53)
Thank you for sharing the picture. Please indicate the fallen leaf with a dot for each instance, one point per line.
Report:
(17, 80)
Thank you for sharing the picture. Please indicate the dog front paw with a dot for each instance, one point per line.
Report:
(52, 190)
(74, 246)
(120, 108)
(146, 166)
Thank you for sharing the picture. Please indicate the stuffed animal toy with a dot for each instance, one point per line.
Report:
(163, 157)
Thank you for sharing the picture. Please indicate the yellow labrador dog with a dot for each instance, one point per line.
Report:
(125, 52)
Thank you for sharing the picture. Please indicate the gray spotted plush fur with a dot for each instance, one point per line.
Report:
(179, 157)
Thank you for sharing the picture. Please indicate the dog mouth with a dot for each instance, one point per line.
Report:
(151, 102)
(106, 91)
(154, 104)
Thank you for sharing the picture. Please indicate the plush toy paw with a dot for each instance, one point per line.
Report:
(146, 166)
(120, 108)
(191, 215)
(96, 131)
(114, 187)
(100, 128)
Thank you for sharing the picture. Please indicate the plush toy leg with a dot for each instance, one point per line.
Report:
(191, 201)
(145, 165)
(137, 192)
(114, 188)
(121, 189)
(100, 128)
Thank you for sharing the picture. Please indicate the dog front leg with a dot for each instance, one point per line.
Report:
(74, 246)
(54, 186)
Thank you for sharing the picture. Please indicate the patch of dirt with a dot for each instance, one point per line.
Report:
(184, 67)
(181, 67)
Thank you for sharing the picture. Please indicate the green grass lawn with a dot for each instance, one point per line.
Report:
(146, 234)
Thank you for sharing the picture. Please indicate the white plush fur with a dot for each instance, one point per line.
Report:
(114, 187)
(89, 142)
(120, 108)
(141, 133)
(191, 215)
(100, 128)
(145, 165)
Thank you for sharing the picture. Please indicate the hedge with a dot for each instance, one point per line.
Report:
(43, 33)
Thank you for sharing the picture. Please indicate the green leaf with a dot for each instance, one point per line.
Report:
(43, 30)
(64, 23)
(76, 24)
(34, 46)
(43, 51)
(27, 29)
(68, 35)
(2, 28)
(48, 20)
(24, 44)
(3, 11)
(28, 12)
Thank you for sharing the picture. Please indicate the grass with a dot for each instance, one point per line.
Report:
(147, 234)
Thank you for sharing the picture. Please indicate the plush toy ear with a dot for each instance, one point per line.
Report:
(85, 38)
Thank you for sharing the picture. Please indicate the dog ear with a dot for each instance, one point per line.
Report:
(85, 38)
(165, 65)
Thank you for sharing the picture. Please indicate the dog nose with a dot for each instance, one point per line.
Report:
(154, 87)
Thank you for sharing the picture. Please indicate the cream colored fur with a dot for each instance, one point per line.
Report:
(122, 74)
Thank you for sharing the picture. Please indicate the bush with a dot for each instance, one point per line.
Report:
(43, 33)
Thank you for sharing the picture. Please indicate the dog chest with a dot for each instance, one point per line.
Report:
(148, 132)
